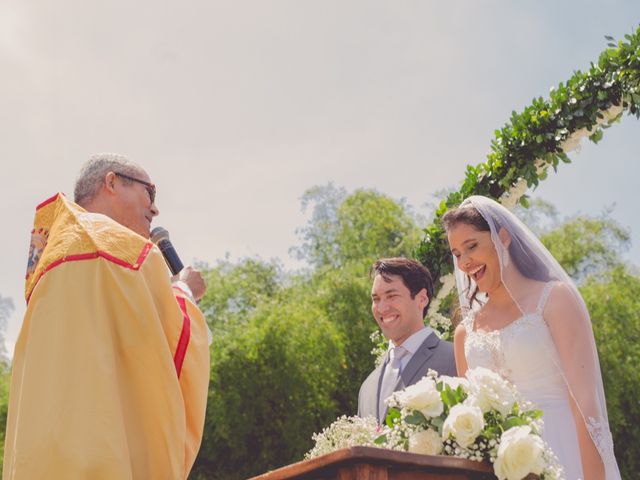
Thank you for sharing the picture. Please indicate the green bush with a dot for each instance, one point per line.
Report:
(5, 381)
(345, 296)
(614, 305)
(273, 381)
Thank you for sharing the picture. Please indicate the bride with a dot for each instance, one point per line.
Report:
(524, 318)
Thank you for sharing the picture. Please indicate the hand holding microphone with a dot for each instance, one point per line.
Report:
(191, 277)
(194, 280)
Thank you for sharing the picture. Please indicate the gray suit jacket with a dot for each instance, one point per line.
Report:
(433, 353)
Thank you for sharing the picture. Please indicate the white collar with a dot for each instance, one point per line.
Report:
(414, 341)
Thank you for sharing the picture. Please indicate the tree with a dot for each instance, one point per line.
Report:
(235, 290)
(291, 350)
(362, 226)
(372, 225)
(273, 380)
(344, 296)
(319, 246)
(587, 246)
(6, 308)
(583, 245)
(614, 304)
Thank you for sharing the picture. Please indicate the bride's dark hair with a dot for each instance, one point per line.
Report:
(523, 259)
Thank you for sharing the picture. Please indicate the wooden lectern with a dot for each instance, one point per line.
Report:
(369, 463)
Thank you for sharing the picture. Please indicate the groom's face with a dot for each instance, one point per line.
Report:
(396, 312)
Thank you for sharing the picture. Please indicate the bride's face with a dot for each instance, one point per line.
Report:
(476, 255)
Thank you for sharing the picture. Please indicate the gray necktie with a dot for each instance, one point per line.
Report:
(390, 378)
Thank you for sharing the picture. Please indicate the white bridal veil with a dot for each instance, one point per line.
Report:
(525, 265)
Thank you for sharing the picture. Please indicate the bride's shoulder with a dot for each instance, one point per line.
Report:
(561, 291)
(564, 304)
(548, 292)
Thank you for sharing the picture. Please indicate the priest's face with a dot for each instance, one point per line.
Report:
(398, 314)
(134, 201)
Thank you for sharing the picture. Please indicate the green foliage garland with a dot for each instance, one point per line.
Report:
(538, 137)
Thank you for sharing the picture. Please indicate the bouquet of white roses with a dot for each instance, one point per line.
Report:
(480, 417)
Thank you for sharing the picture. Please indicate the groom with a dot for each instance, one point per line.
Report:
(401, 293)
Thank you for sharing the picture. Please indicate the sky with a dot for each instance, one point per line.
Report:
(235, 108)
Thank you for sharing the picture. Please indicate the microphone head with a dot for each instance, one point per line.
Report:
(158, 234)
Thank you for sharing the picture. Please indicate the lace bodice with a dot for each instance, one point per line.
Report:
(523, 352)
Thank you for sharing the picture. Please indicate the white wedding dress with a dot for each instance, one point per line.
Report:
(519, 352)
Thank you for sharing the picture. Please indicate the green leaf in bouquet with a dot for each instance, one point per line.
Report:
(415, 418)
(533, 414)
(381, 440)
(461, 394)
(491, 432)
(393, 416)
(451, 397)
(448, 397)
(512, 421)
(438, 423)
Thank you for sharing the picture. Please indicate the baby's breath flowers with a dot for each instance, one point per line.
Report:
(345, 432)
(481, 417)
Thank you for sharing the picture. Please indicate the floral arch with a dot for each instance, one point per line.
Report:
(533, 140)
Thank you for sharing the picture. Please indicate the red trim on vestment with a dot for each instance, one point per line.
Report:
(93, 255)
(180, 290)
(183, 343)
(48, 201)
(143, 254)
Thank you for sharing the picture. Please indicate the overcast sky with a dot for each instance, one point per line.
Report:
(235, 108)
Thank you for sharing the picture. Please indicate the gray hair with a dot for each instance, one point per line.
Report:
(91, 177)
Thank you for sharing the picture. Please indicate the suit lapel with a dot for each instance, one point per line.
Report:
(424, 353)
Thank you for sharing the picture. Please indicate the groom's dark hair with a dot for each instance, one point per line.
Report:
(415, 276)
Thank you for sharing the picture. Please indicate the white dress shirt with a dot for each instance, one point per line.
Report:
(412, 344)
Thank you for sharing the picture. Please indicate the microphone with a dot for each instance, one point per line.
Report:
(160, 237)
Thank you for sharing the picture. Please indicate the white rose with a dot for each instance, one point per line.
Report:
(426, 442)
(519, 454)
(491, 391)
(465, 422)
(422, 396)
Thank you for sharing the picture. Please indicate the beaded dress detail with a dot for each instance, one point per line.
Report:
(524, 353)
